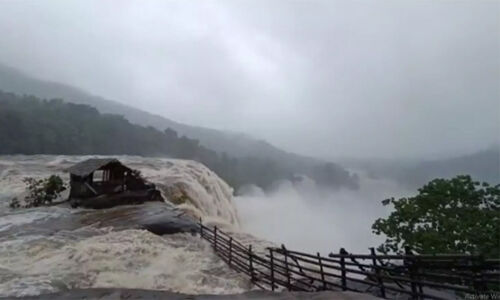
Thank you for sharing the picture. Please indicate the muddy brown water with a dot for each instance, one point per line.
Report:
(156, 217)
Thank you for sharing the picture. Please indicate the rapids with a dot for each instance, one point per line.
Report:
(208, 196)
(36, 259)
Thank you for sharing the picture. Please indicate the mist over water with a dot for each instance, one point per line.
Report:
(304, 217)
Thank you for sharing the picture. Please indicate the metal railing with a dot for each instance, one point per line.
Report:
(386, 276)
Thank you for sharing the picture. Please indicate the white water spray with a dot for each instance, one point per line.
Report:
(103, 257)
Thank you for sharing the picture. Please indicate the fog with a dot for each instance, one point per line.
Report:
(303, 217)
(411, 79)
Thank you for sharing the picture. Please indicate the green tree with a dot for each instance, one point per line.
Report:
(455, 215)
(41, 191)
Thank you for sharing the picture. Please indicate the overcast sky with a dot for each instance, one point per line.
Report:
(324, 78)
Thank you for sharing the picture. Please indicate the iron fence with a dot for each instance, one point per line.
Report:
(386, 276)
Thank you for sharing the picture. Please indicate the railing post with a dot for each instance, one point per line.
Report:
(287, 270)
(250, 262)
(418, 278)
(215, 238)
(343, 268)
(230, 250)
(477, 269)
(410, 265)
(377, 273)
(320, 261)
(201, 228)
(271, 256)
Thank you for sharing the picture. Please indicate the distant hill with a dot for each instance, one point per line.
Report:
(482, 165)
(228, 145)
(29, 125)
(234, 144)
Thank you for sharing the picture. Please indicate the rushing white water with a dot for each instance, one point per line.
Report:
(31, 264)
(128, 259)
(305, 217)
(208, 196)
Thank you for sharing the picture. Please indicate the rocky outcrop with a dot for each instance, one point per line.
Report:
(156, 217)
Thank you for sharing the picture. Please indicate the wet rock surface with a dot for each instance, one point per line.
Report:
(112, 294)
(157, 217)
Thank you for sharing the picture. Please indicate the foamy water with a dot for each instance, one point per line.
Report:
(208, 195)
(127, 259)
(20, 218)
(102, 257)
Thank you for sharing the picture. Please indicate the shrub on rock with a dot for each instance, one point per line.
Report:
(40, 191)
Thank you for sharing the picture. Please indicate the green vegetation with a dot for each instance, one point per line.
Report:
(40, 191)
(457, 215)
(29, 125)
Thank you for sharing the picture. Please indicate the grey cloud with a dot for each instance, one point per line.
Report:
(324, 78)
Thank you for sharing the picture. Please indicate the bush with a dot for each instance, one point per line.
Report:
(455, 215)
(40, 191)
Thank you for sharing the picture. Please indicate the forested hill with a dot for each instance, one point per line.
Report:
(29, 125)
(234, 144)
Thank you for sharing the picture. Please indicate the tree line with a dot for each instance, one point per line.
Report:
(29, 125)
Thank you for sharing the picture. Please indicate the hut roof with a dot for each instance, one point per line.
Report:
(88, 166)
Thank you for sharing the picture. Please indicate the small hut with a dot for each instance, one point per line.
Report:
(106, 182)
